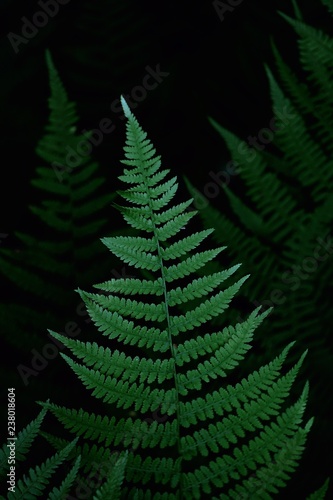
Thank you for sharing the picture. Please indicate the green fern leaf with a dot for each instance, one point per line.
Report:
(250, 419)
(38, 479)
(23, 442)
(67, 483)
(320, 494)
(33, 484)
(112, 487)
(42, 267)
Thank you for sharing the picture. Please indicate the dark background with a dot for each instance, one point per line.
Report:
(101, 49)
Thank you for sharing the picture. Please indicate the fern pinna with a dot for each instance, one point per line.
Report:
(238, 441)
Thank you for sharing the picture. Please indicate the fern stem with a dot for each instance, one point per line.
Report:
(165, 293)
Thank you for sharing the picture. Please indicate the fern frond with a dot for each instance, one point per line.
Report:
(298, 91)
(23, 443)
(38, 478)
(34, 483)
(320, 494)
(316, 57)
(298, 134)
(67, 483)
(69, 198)
(258, 180)
(251, 419)
(112, 487)
(313, 40)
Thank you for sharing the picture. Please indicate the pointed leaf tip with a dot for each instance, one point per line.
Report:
(125, 106)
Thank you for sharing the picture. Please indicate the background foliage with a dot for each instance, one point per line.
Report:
(101, 50)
